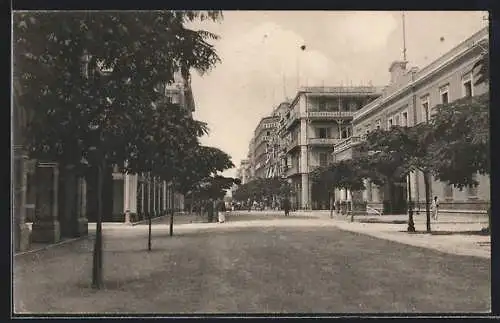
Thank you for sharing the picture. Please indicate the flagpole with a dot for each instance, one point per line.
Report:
(404, 37)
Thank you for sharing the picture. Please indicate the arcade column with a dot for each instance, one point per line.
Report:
(46, 227)
(21, 230)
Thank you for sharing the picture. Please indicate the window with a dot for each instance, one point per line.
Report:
(353, 106)
(396, 120)
(425, 108)
(443, 93)
(343, 133)
(321, 105)
(322, 132)
(268, 133)
(389, 123)
(331, 105)
(323, 159)
(405, 119)
(467, 85)
(378, 122)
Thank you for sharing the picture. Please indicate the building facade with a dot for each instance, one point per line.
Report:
(243, 171)
(262, 145)
(410, 99)
(316, 120)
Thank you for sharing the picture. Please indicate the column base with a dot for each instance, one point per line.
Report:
(46, 232)
(23, 237)
(82, 227)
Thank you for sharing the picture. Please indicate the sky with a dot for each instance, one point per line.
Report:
(262, 62)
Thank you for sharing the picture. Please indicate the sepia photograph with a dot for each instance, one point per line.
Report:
(234, 163)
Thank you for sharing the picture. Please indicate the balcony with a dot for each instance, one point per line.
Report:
(292, 145)
(329, 114)
(323, 141)
(346, 143)
(294, 116)
(290, 171)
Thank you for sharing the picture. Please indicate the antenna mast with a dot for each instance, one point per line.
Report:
(404, 37)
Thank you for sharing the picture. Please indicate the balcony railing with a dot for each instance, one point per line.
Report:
(323, 141)
(347, 143)
(329, 114)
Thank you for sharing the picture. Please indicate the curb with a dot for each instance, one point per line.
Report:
(54, 245)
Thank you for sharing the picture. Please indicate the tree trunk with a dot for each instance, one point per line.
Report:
(97, 278)
(172, 209)
(427, 200)
(411, 223)
(331, 204)
(149, 231)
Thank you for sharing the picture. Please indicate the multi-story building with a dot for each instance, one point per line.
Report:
(243, 172)
(139, 195)
(262, 145)
(316, 120)
(408, 100)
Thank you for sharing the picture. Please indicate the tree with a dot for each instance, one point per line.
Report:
(263, 189)
(324, 177)
(345, 174)
(461, 147)
(383, 161)
(200, 164)
(394, 153)
(91, 79)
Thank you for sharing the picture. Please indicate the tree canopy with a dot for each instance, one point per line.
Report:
(344, 174)
(263, 188)
(91, 80)
(461, 147)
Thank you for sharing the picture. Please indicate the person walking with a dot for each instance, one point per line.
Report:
(435, 208)
(286, 206)
(221, 211)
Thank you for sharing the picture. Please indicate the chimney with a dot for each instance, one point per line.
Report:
(397, 69)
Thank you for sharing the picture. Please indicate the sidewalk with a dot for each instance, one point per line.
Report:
(457, 234)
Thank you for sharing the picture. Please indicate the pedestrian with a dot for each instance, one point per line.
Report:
(435, 208)
(286, 206)
(221, 211)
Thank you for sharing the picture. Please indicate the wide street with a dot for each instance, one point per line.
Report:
(251, 264)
